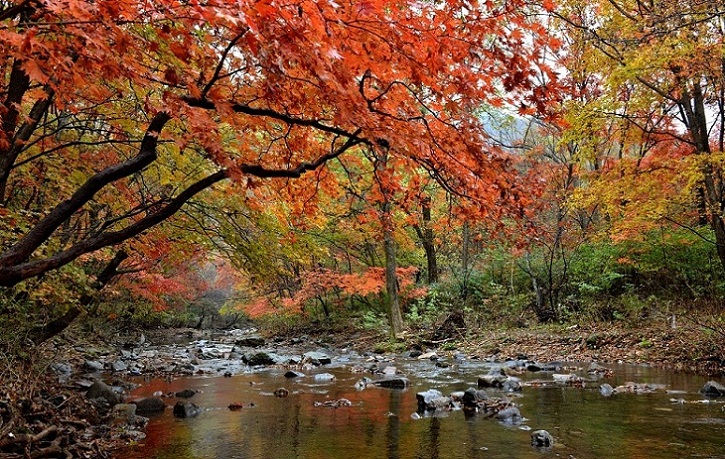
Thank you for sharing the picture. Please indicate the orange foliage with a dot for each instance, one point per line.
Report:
(321, 283)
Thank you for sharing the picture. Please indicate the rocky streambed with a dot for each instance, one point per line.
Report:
(190, 390)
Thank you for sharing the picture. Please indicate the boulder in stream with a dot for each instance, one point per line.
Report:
(392, 383)
(317, 358)
(250, 341)
(257, 359)
(186, 410)
(492, 380)
(510, 415)
(150, 405)
(186, 393)
(324, 377)
(294, 374)
(281, 392)
(472, 397)
(541, 439)
(713, 389)
(432, 400)
(125, 414)
(606, 390)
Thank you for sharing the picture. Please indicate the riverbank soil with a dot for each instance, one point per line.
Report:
(689, 347)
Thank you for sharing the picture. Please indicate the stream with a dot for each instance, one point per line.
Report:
(674, 421)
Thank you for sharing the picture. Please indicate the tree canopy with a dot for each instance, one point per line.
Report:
(115, 114)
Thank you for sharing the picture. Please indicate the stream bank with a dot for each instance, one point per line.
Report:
(57, 419)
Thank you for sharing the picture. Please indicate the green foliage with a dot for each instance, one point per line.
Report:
(374, 320)
(424, 311)
(666, 263)
(389, 346)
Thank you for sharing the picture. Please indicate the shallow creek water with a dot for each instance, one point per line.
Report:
(675, 422)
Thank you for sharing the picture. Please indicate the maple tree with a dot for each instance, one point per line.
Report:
(116, 114)
(655, 71)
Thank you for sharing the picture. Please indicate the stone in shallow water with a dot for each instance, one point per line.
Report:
(257, 359)
(510, 415)
(472, 396)
(432, 400)
(250, 341)
(492, 380)
(150, 405)
(392, 383)
(186, 393)
(186, 410)
(324, 377)
(317, 358)
(606, 390)
(713, 389)
(541, 439)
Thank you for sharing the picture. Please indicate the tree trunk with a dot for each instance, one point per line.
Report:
(465, 259)
(391, 280)
(427, 239)
(429, 243)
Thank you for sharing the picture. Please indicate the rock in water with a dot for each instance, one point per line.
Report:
(294, 374)
(324, 377)
(541, 439)
(186, 393)
(392, 383)
(363, 383)
(432, 400)
(713, 389)
(250, 341)
(317, 358)
(606, 390)
(281, 392)
(150, 405)
(510, 415)
(186, 410)
(472, 397)
(258, 358)
(492, 380)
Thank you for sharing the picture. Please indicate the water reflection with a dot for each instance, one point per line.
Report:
(585, 424)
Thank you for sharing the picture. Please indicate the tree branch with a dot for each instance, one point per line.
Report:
(266, 112)
(24, 248)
